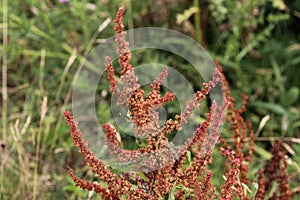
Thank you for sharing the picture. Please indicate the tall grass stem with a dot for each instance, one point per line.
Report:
(43, 114)
(4, 86)
(197, 22)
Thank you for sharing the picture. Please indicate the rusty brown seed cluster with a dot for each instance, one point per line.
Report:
(275, 171)
(167, 176)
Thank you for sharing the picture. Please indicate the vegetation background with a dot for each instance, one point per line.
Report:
(43, 42)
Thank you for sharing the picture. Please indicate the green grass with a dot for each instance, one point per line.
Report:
(46, 42)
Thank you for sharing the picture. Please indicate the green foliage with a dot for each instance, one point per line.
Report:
(255, 41)
(246, 26)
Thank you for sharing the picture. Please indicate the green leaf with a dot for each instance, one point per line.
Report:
(272, 18)
(278, 109)
(259, 38)
(264, 154)
(296, 124)
(142, 176)
(172, 193)
(70, 188)
(292, 96)
(189, 157)
(277, 74)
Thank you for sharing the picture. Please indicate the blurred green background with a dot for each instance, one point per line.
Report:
(257, 43)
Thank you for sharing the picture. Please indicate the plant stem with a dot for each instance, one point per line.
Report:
(197, 22)
(4, 86)
(43, 114)
(37, 151)
(128, 5)
(42, 71)
(4, 71)
(267, 139)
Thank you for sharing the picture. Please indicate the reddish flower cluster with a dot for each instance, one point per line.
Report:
(242, 131)
(275, 171)
(232, 186)
(123, 46)
(162, 172)
(162, 176)
(116, 185)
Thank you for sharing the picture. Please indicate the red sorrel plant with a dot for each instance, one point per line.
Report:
(170, 176)
(275, 172)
